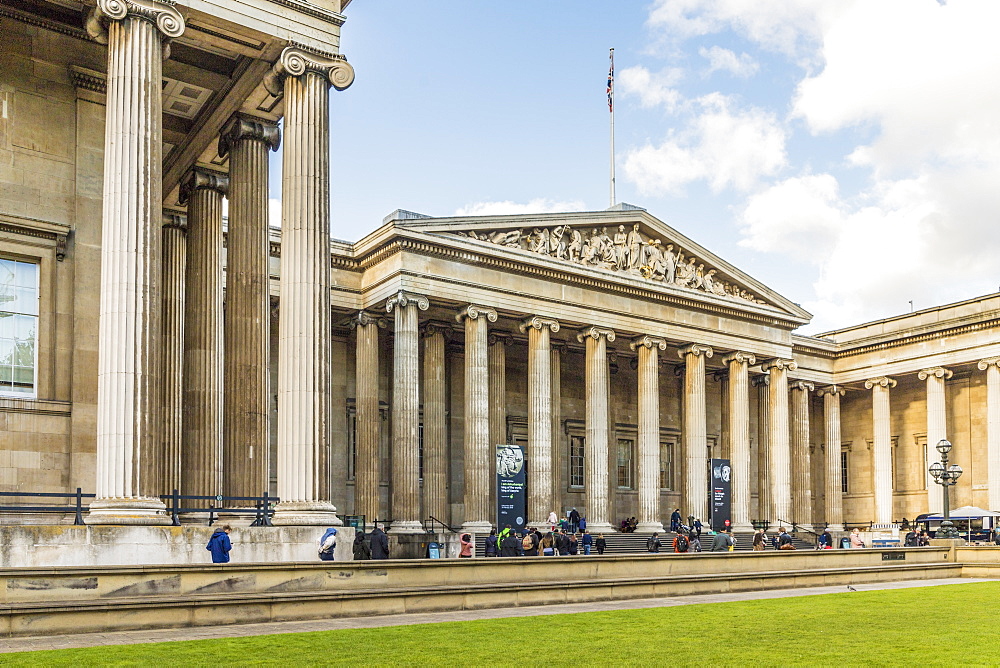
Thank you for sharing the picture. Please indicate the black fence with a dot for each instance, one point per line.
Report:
(77, 507)
(261, 507)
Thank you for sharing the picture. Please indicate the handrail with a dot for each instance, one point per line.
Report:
(434, 519)
(796, 528)
(263, 507)
(77, 507)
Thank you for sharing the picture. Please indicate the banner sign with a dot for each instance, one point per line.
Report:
(720, 494)
(511, 487)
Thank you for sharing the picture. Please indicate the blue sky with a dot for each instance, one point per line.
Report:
(844, 153)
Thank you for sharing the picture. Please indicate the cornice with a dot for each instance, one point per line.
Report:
(47, 24)
(38, 229)
(312, 10)
(845, 351)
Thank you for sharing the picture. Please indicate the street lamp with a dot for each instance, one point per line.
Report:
(946, 476)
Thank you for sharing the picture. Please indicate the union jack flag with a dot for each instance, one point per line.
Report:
(611, 83)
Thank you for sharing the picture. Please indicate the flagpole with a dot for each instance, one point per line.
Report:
(611, 108)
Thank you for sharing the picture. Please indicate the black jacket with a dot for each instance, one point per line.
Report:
(653, 544)
(510, 546)
(600, 544)
(380, 544)
(361, 549)
(491, 545)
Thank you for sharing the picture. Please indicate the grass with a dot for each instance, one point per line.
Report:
(889, 627)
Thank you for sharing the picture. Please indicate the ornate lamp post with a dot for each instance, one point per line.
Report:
(946, 476)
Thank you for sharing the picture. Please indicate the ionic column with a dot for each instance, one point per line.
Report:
(174, 261)
(765, 508)
(695, 430)
(780, 471)
(882, 447)
(991, 366)
(246, 403)
(801, 471)
(739, 435)
(476, 437)
(368, 422)
(834, 512)
(129, 394)
(201, 450)
(937, 429)
(435, 427)
(555, 464)
(539, 418)
(497, 356)
(304, 376)
(725, 448)
(405, 485)
(595, 462)
(648, 348)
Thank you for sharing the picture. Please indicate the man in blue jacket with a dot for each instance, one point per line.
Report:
(219, 545)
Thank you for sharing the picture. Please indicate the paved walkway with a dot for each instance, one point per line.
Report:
(241, 630)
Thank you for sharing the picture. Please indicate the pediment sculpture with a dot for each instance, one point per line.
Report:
(626, 251)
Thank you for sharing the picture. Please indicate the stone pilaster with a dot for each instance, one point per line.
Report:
(801, 466)
(304, 391)
(129, 394)
(201, 450)
(882, 447)
(695, 431)
(937, 429)
(780, 471)
(435, 422)
(649, 348)
(596, 446)
(991, 366)
(765, 508)
(246, 141)
(406, 412)
(539, 418)
(367, 420)
(833, 493)
(739, 435)
(174, 262)
(478, 451)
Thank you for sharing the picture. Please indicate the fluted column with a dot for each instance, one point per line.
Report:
(765, 508)
(174, 261)
(539, 418)
(649, 348)
(304, 376)
(129, 394)
(497, 354)
(991, 366)
(557, 349)
(476, 437)
(739, 435)
(201, 450)
(801, 465)
(246, 402)
(882, 447)
(595, 461)
(435, 417)
(405, 484)
(695, 430)
(780, 471)
(367, 420)
(834, 511)
(937, 429)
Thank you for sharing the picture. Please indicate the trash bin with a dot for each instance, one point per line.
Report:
(433, 550)
(845, 543)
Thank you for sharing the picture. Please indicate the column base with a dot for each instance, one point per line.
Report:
(481, 526)
(600, 527)
(542, 526)
(406, 526)
(836, 527)
(742, 528)
(306, 513)
(127, 511)
(646, 527)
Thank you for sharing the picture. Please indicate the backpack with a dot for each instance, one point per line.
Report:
(682, 543)
(527, 543)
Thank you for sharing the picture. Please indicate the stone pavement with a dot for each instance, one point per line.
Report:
(242, 630)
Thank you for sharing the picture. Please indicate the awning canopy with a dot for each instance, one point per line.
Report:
(963, 513)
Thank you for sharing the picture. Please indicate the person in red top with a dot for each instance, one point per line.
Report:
(467, 546)
(681, 543)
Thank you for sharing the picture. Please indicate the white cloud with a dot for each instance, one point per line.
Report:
(507, 207)
(274, 212)
(725, 147)
(719, 59)
(652, 88)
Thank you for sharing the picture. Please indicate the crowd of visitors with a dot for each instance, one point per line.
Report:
(557, 541)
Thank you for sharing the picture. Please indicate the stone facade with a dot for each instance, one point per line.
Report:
(373, 378)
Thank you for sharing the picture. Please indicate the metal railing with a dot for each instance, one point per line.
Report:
(431, 520)
(263, 507)
(78, 507)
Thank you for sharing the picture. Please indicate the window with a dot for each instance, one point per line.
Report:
(625, 449)
(666, 466)
(576, 461)
(18, 327)
(843, 471)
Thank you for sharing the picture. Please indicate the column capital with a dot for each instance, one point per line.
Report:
(647, 341)
(364, 318)
(881, 381)
(161, 13)
(833, 390)
(503, 338)
(559, 347)
(985, 364)
(936, 371)
(779, 364)
(596, 333)
(538, 322)
(802, 385)
(175, 220)
(720, 376)
(739, 356)
(762, 380)
(296, 60)
(198, 178)
(695, 349)
(403, 299)
(242, 127)
(474, 312)
(432, 327)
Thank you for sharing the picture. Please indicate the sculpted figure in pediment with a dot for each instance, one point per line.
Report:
(669, 265)
(621, 247)
(592, 249)
(609, 260)
(538, 241)
(575, 245)
(557, 245)
(633, 252)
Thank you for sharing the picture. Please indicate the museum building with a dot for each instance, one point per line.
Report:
(148, 345)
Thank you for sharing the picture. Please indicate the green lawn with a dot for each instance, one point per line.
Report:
(893, 627)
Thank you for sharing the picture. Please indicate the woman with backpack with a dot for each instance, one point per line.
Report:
(492, 549)
(681, 543)
(528, 547)
(547, 546)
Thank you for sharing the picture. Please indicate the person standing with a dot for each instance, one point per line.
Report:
(856, 542)
(380, 543)
(528, 545)
(219, 545)
(759, 541)
(327, 544)
(600, 544)
(722, 541)
(492, 547)
(784, 540)
(698, 527)
(695, 542)
(510, 546)
(361, 549)
(588, 543)
(574, 520)
(547, 545)
(466, 546)
(574, 545)
(553, 520)
(653, 543)
(675, 520)
(911, 538)
(681, 543)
